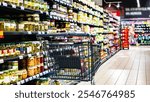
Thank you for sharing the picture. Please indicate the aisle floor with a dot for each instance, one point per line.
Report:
(127, 67)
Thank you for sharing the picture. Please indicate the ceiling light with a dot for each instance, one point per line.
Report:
(138, 3)
(109, 5)
(118, 5)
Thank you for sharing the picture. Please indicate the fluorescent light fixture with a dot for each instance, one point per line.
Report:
(109, 5)
(118, 5)
(138, 3)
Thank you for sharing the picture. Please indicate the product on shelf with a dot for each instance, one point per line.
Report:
(26, 23)
(125, 38)
(39, 5)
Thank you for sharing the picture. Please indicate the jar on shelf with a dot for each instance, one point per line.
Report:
(30, 71)
(20, 3)
(1, 78)
(7, 25)
(36, 5)
(24, 74)
(1, 24)
(35, 70)
(6, 77)
(30, 62)
(38, 69)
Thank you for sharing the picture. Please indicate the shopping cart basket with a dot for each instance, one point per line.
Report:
(71, 61)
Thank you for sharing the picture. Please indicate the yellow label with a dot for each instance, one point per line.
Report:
(1, 34)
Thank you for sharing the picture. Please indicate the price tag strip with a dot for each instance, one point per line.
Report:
(27, 79)
(5, 4)
(29, 32)
(29, 55)
(1, 61)
(20, 57)
(13, 6)
(22, 8)
(22, 81)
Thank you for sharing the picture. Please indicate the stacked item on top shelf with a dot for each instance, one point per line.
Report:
(125, 38)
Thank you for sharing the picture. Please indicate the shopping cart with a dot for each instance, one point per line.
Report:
(71, 61)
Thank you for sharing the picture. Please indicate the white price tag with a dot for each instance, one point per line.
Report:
(29, 32)
(41, 74)
(27, 79)
(34, 77)
(46, 67)
(47, 13)
(0, 3)
(1, 61)
(30, 78)
(38, 53)
(44, 72)
(29, 55)
(13, 6)
(39, 32)
(41, 11)
(20, 57)
(47, 71)
(43, 32)
(18, 83)
(37, 75)
(22, 8)
(44, 52)
(5, 4)
(22, 82)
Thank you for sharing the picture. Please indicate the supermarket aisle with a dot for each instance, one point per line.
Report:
(127, 67)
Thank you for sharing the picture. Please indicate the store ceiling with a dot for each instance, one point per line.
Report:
(131, 3)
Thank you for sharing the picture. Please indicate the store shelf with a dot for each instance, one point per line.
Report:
(92, 25)
(79, 1)
(33, 77)
(24, 33)
(65, 34)
(11, 58)
(60, 18)
(6, 8)
(79, 9)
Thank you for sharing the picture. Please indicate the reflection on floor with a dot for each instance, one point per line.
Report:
(127, 67)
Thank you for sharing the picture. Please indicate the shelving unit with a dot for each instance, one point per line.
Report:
(46, 26)
(125, 38)
(110, 38)
(141, 27)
